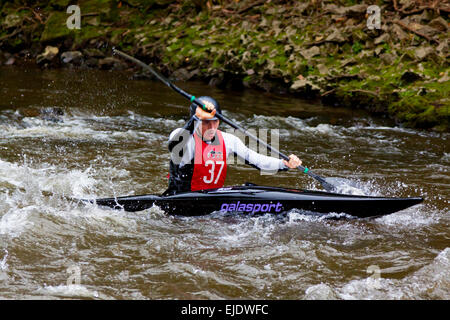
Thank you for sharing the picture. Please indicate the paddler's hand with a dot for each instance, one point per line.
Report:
(205, 115)
(294, 161)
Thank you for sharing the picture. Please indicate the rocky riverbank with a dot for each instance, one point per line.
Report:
(312, 49)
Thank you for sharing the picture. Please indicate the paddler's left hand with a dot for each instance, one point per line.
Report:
(294, 161)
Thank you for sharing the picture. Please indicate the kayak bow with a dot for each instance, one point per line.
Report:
(252, 199)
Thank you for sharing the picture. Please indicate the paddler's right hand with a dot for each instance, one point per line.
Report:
(205, 115)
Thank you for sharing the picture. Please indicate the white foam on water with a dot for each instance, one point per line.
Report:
(446, 157)
(430, 282)
(89, 127)
(320, 292)
(44, 190)
(46, 178)
(248, 229)
(3, 264)
(277, 122)
(74, 129)
(70, 291)
(16, 220)
(295, 216)
(410, 218)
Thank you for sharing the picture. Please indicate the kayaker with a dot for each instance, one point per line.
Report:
(199, 152)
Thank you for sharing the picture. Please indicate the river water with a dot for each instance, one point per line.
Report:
(111, 140)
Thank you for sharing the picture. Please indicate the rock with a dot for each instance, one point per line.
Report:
(309, 53)
(48, 55)
(442, 48)
(288, 49)
(444, 77)
(398, 34)
(356, 10)
(336, 36)
(91, 62)
(332, 8)
(194, 73)
(111, 63)
(10, 61)
(322, 69)
(250, 72)
(348, 62)
(304, 86)
(351, 22)
(216, 81)
(423, 52)
(410, 76)
(74, 57)
(273, 53)
(407, 5)
(11, 21)
(184, 75)
(265, 49)
(92, 52)
(198, 42)
(365, 54)
(181, 74)
(388, 58)
(378, 50)
(246, 57)
(425, 16)
(383, 38)
(301, 7)
(53, 114)
(374, 78)
(429, 31)
(422, 91)
(439, 24)
(93, 21)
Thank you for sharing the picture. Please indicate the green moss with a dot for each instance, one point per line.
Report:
(415, 111)
(107, 9)
(56, 27)
(357, 47)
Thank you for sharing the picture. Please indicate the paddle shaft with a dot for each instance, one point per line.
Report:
(193, 99)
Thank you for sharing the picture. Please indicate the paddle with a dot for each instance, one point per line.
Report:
(327, 186)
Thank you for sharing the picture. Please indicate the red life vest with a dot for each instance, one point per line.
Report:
(210, 164)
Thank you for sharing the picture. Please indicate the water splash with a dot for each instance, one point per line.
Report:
(3, 265)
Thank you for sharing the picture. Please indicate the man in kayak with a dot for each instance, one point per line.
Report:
(199, 152)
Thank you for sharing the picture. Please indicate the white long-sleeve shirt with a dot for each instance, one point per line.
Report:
(233, 146)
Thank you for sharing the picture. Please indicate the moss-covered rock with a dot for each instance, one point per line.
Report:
(308, 48)
(56, 28)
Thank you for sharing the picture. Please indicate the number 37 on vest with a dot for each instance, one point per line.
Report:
(210, 164)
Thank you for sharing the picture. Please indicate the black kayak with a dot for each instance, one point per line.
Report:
(252, 199)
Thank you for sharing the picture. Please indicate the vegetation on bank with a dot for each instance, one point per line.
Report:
(313, 49)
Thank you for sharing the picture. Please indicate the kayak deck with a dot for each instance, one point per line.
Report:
(261, 200)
